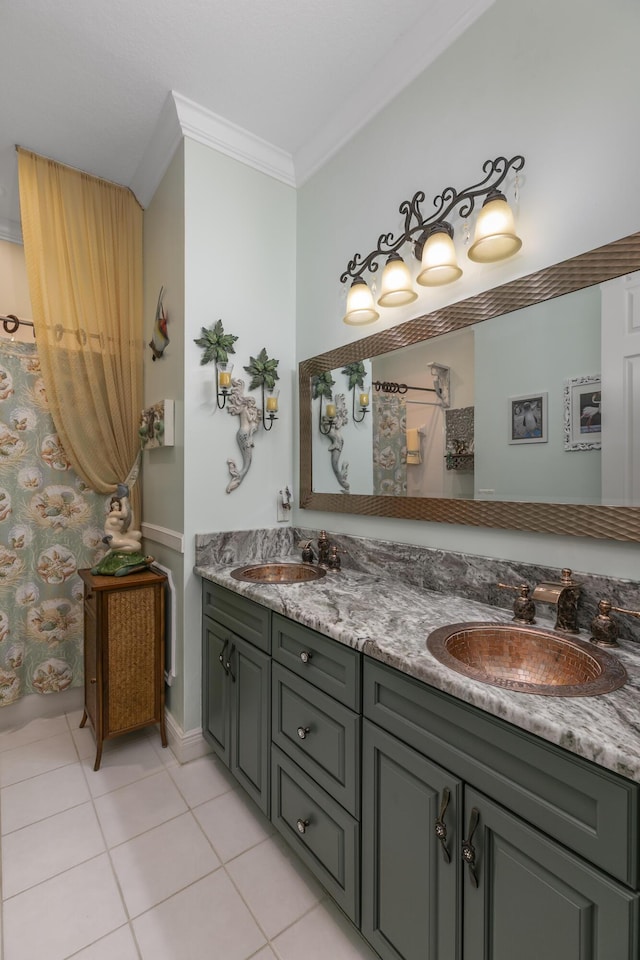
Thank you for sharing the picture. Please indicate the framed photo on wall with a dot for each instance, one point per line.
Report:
(156, 425)
(528, 418)
(583, 413)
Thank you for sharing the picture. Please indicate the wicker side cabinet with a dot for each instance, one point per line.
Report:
(123, 654)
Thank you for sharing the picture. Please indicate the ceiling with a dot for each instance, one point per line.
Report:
(85, 81)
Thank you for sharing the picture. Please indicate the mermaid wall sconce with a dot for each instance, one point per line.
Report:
(230, 393)
(330, 424)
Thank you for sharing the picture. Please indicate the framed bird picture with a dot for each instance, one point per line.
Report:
(583, 413)
(528, 418)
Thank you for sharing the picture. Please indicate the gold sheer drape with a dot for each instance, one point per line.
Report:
(83, 250)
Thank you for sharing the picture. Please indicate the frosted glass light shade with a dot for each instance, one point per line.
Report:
(495, 235)
(395, 287)
(439, 261)
(360, 305)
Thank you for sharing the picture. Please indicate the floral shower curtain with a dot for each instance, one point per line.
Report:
(389, 446)
(51, 525)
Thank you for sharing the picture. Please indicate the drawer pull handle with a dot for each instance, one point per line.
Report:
(441, 827)
(228, 663)
(305, 656)
(301, 825)
(468, 850)
(303, 731)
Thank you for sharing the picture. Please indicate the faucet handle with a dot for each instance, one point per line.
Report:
(566, 578)
(524, 609)
(604, 627)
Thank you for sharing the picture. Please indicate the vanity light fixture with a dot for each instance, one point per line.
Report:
(432, 239)
(395, 286)
(360, 305)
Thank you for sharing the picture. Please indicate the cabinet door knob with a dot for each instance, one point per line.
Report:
(468, 850)
(94, 680)
(305, 656)
(303, 731)
(302, 825)
(441, 827)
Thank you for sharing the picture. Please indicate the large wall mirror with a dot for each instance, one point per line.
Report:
(516, 408)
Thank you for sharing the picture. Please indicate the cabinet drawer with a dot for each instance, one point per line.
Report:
(323, 835)
(246, 618)
(591, 810)
(322, 736)
(325, 663)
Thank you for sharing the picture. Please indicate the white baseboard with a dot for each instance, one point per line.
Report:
(185, 745)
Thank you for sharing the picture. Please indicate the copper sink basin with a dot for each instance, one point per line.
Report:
(278, 573)
(526, 659)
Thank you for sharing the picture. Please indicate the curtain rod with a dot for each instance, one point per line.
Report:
(11, 323)
(389, 387)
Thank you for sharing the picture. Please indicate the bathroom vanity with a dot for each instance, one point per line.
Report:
(446, 818)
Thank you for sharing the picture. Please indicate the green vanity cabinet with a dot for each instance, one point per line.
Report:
(315, 729)
(237, 687)
(523, 892)
(530, 897)
(442, 832)
(410, 877)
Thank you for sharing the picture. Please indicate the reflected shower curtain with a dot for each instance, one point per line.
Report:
(51, 525)
(389, 446)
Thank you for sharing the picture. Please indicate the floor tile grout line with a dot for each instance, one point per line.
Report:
(191, 809)
(257, 922)
(111, 865)
(25, 826)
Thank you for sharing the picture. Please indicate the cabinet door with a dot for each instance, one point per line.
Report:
(410, 884)
(535, 899)
(92, 682)
(216, 722)
(250, 679)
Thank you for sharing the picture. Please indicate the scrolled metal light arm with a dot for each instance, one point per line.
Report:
(417, 227)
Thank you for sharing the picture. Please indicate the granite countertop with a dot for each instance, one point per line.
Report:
(390, 621)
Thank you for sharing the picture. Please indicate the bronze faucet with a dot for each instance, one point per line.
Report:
(564, 595)
(325, 555)
(604, 628)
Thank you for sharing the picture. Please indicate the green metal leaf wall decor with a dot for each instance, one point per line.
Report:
(356, 373)
(263, 371)
(216, 344)
(322, 385)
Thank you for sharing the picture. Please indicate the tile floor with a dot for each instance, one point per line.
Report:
(146, 859)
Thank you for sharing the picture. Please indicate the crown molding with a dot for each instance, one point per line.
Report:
(214, 131)
(180, 118)
(10, 230)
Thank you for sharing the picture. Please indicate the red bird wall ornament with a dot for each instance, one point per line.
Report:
(159, 338)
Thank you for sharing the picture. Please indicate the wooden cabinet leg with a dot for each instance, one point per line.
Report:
(96, 765)
(163, 731)
(84, 718)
